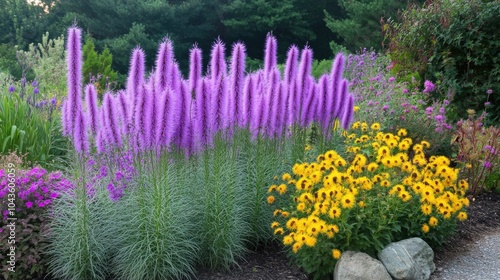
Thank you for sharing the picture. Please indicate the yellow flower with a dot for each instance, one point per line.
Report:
(286, 177)
(275, 224)
(307, 148)
(372, 167)
(362, 204)
(336, 254)
(404, 195)
(278, 231)
(334, 228)
(426, 209)
(270, 199)
(271, 188)
(356, 108)
(292, 223)
(301, 207)
(285, 214)
(462, 216)
(402, 132)
(297, 245)
(425, 144)
(282, 188)
(310, 241)
(287, 240)
(425, 228)
(348, 201)
(276, 212)
(433, 221)
(375, 126)
(334, 212)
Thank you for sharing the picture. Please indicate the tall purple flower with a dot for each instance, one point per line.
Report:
(140, 137)
(248, 92)
(195, 65)
(303, 82)
(217, 61)
(310, 104)
(274, 100)
(202, 126)
(111, 121)
(135, 80)
(333, 101)
(219, 103)
(166, 124)
(237, 78)
(80, 139)
(74, 65)
(91, 103)
(348, 113)
(270, 59)
(323, 111)
(340, 99)
(164, 64)
(66, 118)
(185, 123)
(125, 110)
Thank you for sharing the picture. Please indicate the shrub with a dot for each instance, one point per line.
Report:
(33, 192)
(31, 127)
(385, 190)
(97, 67)
(479, 151)
(397, 104)
(452, 43)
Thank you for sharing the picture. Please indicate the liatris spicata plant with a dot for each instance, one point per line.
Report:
(225, 130)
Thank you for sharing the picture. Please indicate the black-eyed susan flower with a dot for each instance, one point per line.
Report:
(310, 241)
(270, 199)
(285, 214)
(297, 245)
(375, 126)
(426, 209)
(348, 200)
(425, 228)
(287, 240)
(275, 224)
(301, 207)
(336, 254)
(292, 223)
(278, 231)
(462, 216)
(334, 212)
(282, 188)
(433, 221)
(286, 177)
(402, 132)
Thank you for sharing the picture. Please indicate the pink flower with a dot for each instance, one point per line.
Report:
(29, 204)
(428, 86)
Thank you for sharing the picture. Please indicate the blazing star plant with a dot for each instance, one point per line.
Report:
(171, 172)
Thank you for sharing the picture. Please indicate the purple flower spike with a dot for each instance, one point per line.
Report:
(185, 124)
(140, 99)
(195, 65)
(66, 118)
(340, 99)
(217, 62)
(135, 78)
(164, 64)
(202, 126)
(325, 106)
(348, 113)
(291, 65)
(80, 134)
(303, 77)
(125, 110)
(237, 78)
(91, 103)
(270, 59)
(282, 109)
(275, 100)
(334, 93)
(111, 121)
(247, 109)
(310, 104)
(219, 103)
(166, 124)
(74, 64)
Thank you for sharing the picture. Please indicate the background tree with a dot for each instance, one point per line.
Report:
(97, 67)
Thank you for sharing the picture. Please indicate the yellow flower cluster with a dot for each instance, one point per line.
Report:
(390, 164)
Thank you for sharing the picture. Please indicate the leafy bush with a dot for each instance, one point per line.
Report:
(33, 192)
(479, 151)
(452, 43)
(97, 67)
(31, 127)
(397, 105)
(385, 190)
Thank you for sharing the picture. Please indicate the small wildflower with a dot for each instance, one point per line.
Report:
(425, 228)
(336, 254)
(428, 86)
(270, 199)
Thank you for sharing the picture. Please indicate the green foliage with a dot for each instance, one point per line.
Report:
(359, 26)
(8, 63)
(320, 67)
(365, 200)
(454, 44)
(479, 152)
(47, 62)
(97, 67)
(27, 130)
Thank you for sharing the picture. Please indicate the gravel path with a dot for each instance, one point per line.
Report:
(480, 260)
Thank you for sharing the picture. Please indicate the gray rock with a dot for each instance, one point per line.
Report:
(359, 266)
(409, 259)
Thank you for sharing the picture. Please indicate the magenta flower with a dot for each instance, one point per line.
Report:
(29, 204)
(428, 86)
(487, 164)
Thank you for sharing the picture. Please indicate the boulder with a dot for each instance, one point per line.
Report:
(409, 259)
(359, 266)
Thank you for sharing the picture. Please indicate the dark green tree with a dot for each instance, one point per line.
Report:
(97, 67)
(359, 26)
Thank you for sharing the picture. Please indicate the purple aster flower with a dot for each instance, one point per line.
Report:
(54, 195)
(53, 101)
(36, 90)
(34, 83)
(441, 110)
(489, 91)
(487, 164)
(405, 90)
(446, 102)
(29, 204)
(428, 110)
(385, 108)
(11, 89)
(428, 86)
(391, 79)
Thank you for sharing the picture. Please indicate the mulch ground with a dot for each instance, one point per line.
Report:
(271, 263)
